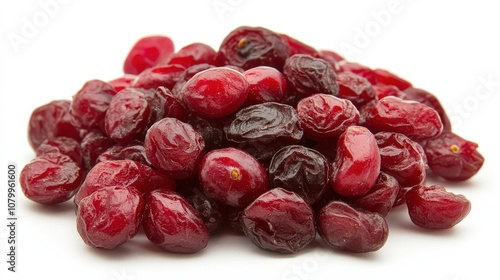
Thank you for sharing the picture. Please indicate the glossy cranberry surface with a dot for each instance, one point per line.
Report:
(186, 76)
(63, 145)
(146, 53)
(355, 88)
(193, 54)
(279, 221)
(122, 82)
(163, 75)
(93, 144)
(133, 150)
(430, 100)
(298, 47)
(360, 70)
(384, 77)
(265, 84)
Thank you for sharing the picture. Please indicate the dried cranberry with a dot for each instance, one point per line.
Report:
(382, 91)
(186, 76)
(414, 119)
(212, 131)
(265, 84)
(355, 88)
(49, 121)
(298, 47)
(324, 116)
(384, 77)
(357, 162)
(333, 58)
(453, 157)
(345, 228)
(171, 223)
(430, 100)
(360, 70)
(279, 221)
(402, 158)
(307, 75)
(93, 144)
(127, 115)
(192, 54)
(63, 145)
(133, 150)
(232, 177)
(110, 217)
(51, 178)
(122, 82)
(164, 75)
(174, 147)
(146, 53)
(215, 93)
(301, 170)
(163, 104)
(249, 47)
(435, 208)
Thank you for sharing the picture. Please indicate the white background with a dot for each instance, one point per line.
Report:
(450, 48)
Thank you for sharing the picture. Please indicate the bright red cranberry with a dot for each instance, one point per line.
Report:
(265, 84)
(345, 228)
(186, 76)
(384, 77)
(430, 100)
(174, 147)
(232, 176)
(279, 221)
(127, 116)
(122, 82)
(301, 170)
(382, 91)
(146, 53)
(51, 178)
(215, 93)
(298, 47)
(435, 208)
(324, 116)
(193, 54)
(64, 145)
(307, 75)
(90, 104)
(381, 197)
(453, 157)
(49, 121)
(357, 162)
(110, 217)
(163, 75)
(360, 70)
(171, 223)
(93, 144)
(355, 88)
(414, 119)
(127, 173)
(133, 150)
(402, 158)
(249, 47)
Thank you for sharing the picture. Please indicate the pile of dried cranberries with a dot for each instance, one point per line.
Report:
(266, 135)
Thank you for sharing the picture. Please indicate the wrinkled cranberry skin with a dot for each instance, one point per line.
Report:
(163, 75)
(63, 145)
(381, 197)
(146, 53)
(453, 157)
(401, 157)
(133, 150)
(127, 115)
(49, 121)
(282, 128)
(430, 100)
(435, 208)
(193, 54)
(174, 147)
(51, 178)
(384, 77)
(249, 47)
(298, 47)
(232, 177)
(171, 223)
(110, 217)
(212, 131)
(126, 173)
(90, 104)
(345, 228)
(163, 104)
(265, 84)
(301, 170)
(413, 119)
(333, 58)
(93, 144)
(382, 91)
(279, 221)
(360, 70)
(357, 162)
(306, 75)
(122, 82)
(215, 93)
(324, 116)
(355, 88)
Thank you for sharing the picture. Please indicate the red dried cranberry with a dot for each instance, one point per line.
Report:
(93, 144)
(345, 228)
(279, 221)
(146, 53)
(298, 47)
(133, 150)
(360, 70)
(193, 54)
(215, 93)
(110, 217)
(51, 178)
(333, 58)
(453, 157)
(122, 82)
(64, 145)
(435, 208)
(357, 162)
(232, 177)
(49, 121)
(265, 84)
(249, 47)
(171, 223)
(384, 77)
(186, 76)
(414, 119)
(164, 75)
(174, 147)
(382, 91)
(355, 88)
(324, 116)
(430, 100)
